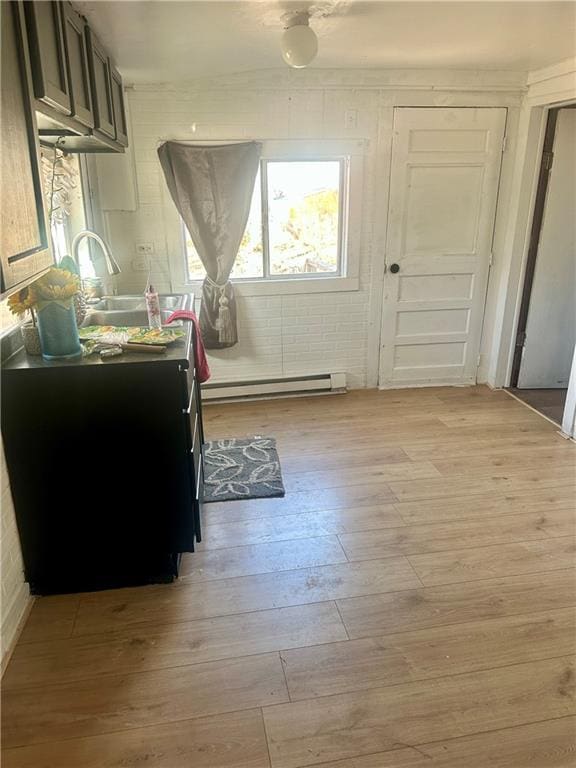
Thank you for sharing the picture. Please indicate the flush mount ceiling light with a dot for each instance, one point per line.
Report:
(299, 44)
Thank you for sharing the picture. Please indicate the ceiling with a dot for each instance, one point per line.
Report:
(160, 41)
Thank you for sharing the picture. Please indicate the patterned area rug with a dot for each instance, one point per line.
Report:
(241, 469)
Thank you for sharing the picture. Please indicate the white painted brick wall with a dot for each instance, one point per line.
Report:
(14, 593)
(279, 335)
(289, 334)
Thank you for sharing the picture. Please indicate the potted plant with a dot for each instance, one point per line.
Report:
(51, 297)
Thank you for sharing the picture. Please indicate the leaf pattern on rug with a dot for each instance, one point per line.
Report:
(242, 468)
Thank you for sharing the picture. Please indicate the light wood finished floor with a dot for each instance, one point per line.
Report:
(408, 604)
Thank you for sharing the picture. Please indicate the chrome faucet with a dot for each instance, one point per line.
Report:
(111, 264)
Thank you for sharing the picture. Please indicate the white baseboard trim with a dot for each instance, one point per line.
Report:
(14, 622)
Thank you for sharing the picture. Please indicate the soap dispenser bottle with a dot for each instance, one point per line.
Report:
(153, 307)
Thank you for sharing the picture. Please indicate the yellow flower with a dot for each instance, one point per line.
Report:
(57, 284)
(21, 301)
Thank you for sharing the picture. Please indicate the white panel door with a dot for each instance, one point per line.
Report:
(443, 193)
(551, 327)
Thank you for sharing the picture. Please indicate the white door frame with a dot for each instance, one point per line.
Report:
(510, 98)
(420, 367)
(551, 87)
(569, 417)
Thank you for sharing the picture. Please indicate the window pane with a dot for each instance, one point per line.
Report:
(64, 199)
(249, 260)
(7, 319)
(303, 216)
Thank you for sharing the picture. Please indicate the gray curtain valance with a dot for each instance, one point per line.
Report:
(212, 187)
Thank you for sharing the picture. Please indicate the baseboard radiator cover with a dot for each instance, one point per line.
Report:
(286, 386)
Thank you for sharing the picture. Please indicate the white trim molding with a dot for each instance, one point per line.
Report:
(15, 617)
(283, 78)
(550, 87)
(553, 84)
(569, 416)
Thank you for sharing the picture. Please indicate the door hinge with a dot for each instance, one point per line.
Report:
(504, 144)
(547, 160)
(521, 339)
(491, 259)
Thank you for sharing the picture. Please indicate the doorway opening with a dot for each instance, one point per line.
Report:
(546, 332)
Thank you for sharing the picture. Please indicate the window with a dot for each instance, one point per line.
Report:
(64, 200)
(64, 197)
(295, 226)
(7, 319)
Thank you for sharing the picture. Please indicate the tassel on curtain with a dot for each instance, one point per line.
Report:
(227, 335)
(212, 190)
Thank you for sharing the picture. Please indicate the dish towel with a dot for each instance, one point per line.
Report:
(201, 361)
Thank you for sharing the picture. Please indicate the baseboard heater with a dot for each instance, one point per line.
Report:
(326, 383)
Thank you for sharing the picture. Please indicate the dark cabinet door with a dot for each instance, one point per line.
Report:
(77, 63)
(120, 123)
(99, 67)
(118, 538)
(47, 54)
(24, 249)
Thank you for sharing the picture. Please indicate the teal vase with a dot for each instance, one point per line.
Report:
(58, 330)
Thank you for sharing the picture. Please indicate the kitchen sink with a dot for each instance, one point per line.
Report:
(171, 301)
(131, 309)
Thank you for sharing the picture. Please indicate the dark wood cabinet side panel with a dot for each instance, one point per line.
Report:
(24, 248)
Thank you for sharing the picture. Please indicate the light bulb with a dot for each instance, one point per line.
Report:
(299, 46)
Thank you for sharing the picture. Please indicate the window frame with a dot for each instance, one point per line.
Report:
(84, 180)
(351, 155)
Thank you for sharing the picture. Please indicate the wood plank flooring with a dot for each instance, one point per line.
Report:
(410, 603)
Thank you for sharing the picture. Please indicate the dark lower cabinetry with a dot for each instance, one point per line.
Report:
(105, 464)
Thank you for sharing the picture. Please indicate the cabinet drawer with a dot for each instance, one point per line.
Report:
(189, 390)
(193, 400)
(197, 458)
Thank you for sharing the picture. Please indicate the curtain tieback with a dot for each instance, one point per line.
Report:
(224, 320)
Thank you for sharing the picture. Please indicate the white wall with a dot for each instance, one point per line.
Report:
(14, 592)
(305, 333)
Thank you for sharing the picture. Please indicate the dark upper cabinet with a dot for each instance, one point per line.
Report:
(101, 82)
(77, 65)
(79, 98)
(120, 123)
(24, 246)
(48, 54)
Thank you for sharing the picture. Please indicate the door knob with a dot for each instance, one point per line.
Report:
(394, 268)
